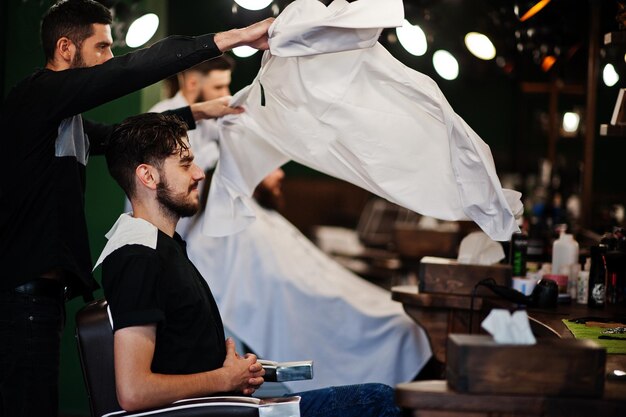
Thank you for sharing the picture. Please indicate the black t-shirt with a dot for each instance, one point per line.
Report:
(161, 286)
(45, 146)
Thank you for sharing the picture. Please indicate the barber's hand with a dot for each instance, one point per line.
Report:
(244, 374)
(254, 36)
(213, 109)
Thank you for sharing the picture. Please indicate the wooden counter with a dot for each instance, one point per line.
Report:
(441, 314)
(434, 398)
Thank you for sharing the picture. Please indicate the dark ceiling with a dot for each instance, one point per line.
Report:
(561, 29)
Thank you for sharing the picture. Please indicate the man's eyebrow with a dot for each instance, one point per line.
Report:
(104, 43)
(185, 159)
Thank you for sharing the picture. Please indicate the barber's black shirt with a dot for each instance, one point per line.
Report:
(45, 146)
(161, 286)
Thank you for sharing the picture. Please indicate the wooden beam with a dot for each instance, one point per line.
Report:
(546, 88)
(553, 123)
(590, 131)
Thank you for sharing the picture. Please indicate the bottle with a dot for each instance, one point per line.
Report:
(597, 277)
(532, 271)
(564, 253)
(616, 275)
(583, 283)
(517, 254)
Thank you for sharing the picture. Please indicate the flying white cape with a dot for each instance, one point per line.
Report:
(330, 97)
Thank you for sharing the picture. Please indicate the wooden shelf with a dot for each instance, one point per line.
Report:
(615, 38)
(612, 130)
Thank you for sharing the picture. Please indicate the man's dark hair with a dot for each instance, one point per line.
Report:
(223, 63)
(147, 138)
(72, 19)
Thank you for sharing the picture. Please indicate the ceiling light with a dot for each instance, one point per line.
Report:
(609, 75)
(412, 38)
(244, 51)
(570, 122)
(547, 62)
(253, 4)
(480, 45)
(142, 30)
(531, 9)
(446, 65)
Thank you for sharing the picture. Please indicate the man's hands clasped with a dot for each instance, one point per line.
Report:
(243, 374)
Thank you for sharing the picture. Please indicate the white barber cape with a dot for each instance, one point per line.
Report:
(287, 300)
(330, 97)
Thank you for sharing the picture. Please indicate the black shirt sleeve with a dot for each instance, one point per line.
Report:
(130, 277)
(99, 135)
(65, 93)
(184, 113)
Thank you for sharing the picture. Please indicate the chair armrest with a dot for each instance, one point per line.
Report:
(230, 406)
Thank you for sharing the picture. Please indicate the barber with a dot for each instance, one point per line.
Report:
(44, 249)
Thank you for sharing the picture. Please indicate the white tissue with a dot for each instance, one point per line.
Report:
(507, 328)
(479, 249)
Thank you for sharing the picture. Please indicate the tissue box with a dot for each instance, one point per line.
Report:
(442, 275)
(552, 367)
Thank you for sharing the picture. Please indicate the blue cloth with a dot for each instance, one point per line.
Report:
(361, 400)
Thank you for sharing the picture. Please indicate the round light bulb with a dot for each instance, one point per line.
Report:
(446, 65)
(480, 46)
(244, 51)
(412, 38)
(141, 30)
(570, 122)
(609, 75)
(253, 4)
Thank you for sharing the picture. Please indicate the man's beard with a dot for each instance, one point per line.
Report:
(175, 205)
(78, 61)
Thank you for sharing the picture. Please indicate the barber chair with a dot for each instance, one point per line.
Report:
(94, 336)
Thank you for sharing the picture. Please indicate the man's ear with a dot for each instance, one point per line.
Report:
(192, 83)
(65, 49)
(147, 175)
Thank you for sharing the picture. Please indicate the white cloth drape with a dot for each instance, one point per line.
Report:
(288, 301)
(331, 98)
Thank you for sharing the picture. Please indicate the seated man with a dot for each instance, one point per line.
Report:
(168, 333)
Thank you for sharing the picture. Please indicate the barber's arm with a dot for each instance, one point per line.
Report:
(73, 91)
(99, 133)
(254, 36)
(139, 388)
(213, 109)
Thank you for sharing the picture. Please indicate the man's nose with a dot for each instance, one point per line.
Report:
(198, 173)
